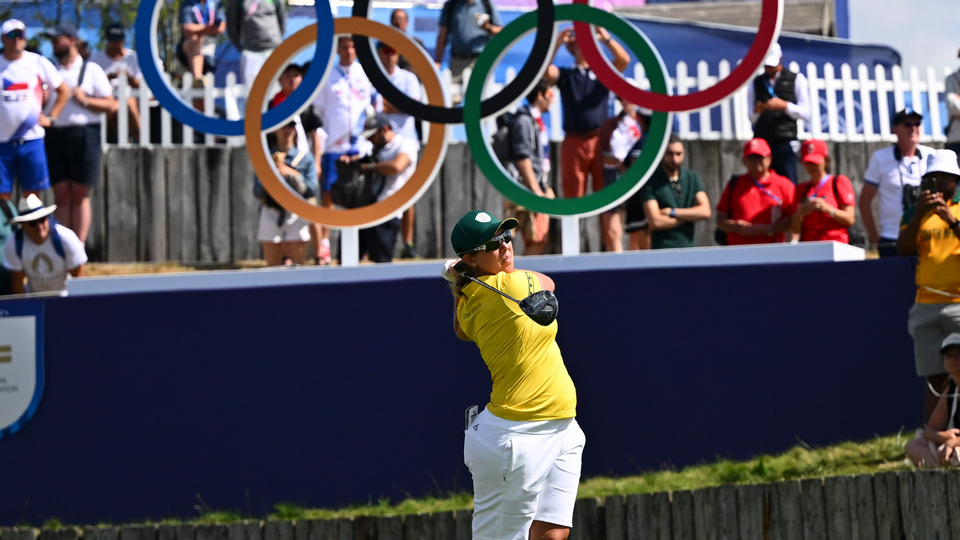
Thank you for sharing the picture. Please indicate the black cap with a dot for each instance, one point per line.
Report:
(116, 32)
(63, 30)
(904, 114)
(373, 124)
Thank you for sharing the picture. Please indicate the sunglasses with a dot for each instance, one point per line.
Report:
(494, 243)
(36, 222)
(16, 34)
(911, 124)
(677, 189)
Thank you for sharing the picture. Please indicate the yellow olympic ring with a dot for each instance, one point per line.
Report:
(427, 167)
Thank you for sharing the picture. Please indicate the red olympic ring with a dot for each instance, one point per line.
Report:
(771, 18)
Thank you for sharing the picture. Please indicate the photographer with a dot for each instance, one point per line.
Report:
(395, 159)
(930, 230)
(894, 173)
(284, 235)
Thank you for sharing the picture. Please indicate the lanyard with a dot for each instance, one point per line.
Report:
(768, 193)
(816, 192)
(770, 88)
(199, 13)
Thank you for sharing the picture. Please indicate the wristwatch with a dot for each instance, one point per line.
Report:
(673, 212)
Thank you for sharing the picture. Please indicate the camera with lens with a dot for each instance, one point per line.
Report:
(909, 196)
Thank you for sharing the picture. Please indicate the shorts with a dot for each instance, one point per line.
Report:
(328, 170)
(292, 228)
(928, 325)
(74, 153)
(533, 226)
(26, 160)
(522, 471)
(636, 215)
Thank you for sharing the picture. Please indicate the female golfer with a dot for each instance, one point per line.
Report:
(524, 448)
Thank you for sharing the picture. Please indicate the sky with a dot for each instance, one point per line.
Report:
(925, 32)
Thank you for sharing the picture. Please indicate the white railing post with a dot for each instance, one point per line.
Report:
(704, 80)
(123, 115)
(883, 107)
(143, 105)
(933, 96)
(849, 104)
(866, 105)
(726, 127)
(681, 86)
(208, 108)
(814, 84)
(186, 90)
(829, 80)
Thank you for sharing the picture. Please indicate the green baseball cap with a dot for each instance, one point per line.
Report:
(477, 228)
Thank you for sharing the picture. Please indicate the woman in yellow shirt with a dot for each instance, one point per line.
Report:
(524, 448)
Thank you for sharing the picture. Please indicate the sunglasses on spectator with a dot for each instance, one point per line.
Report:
(35, 222)
(494, 243)
(911, 124)
(16, 34)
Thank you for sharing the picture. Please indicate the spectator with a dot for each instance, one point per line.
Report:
(825, 204)
(74, 148)
(402, 124)
(396, 161)
(894, 173)
(585, 107)
(779, 99)
(617, 137)
(342, 104)
(937, 444)
(308, 126)
(673, 199)
(116, 60)
(754, 207)
(400, 21)
(22, 120)
(44, 252)
(200, 22)
(284, 235)
(469, 25)
(255, 27)
(952, 96)
(529, 146)
(929, 228)
(637, 224)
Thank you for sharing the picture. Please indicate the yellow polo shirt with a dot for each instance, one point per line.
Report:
(530, 381)
(938, 266)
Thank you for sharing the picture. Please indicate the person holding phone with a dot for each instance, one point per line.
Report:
(930, 228)
(524, 448)
(825, 205)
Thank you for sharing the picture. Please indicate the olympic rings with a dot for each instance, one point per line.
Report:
(531, 72)
(771, 19)
(609, 196)
(148, 51)
(376, 213)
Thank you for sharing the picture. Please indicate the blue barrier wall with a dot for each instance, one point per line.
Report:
(344, 393)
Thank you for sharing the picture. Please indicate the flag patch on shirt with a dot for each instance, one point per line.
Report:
(9, 85)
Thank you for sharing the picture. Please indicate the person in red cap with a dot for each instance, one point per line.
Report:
(825, 204)
(754, 208)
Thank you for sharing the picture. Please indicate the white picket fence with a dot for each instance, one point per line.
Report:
(837, 103)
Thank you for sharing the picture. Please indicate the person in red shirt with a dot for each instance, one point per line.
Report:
(825, 204)
(755, 208)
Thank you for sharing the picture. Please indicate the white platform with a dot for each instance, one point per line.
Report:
(808, 252)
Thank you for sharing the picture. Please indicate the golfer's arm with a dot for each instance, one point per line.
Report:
(546, 284)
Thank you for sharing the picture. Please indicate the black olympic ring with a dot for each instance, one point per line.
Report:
(529, 75)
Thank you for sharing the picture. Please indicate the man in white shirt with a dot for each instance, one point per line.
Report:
(952, 97)
(403, 124)
(73, 143)
(44, 253)
(396, 161)
(342, 105)
(117, 60)
(894, 172)
(779, 98)
(22, 154)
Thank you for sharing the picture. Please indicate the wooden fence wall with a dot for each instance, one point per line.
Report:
(918, 505)
(195, 204)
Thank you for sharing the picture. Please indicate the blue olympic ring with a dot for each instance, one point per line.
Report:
(149, 53)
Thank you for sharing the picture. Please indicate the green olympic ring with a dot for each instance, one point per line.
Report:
(633, 178)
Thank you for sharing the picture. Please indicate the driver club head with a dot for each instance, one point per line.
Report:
(541, 306)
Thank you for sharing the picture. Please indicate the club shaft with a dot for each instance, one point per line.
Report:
(478, 282)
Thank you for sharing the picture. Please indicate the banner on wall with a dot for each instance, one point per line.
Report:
(21, 364)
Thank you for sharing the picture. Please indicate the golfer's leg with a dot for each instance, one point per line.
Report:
(558, 495)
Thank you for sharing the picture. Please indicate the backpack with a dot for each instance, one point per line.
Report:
(355, 188)
(855, 235)
(54, 237)
(500, 142)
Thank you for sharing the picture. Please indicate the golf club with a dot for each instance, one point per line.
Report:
(541, 306)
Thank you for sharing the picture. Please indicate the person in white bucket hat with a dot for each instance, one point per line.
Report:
(930, 228)
(42, 251)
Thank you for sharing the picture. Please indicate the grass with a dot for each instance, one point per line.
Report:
(880, 454)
